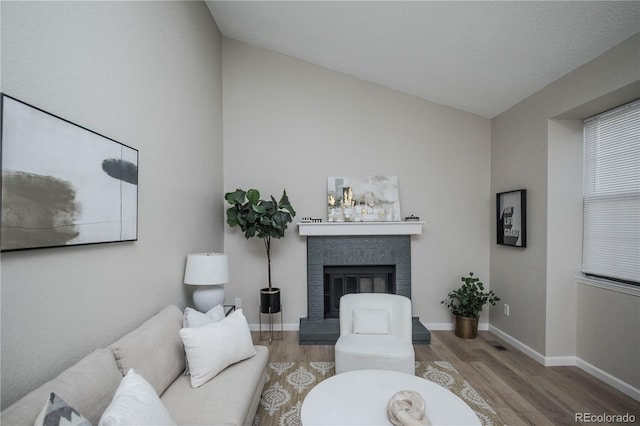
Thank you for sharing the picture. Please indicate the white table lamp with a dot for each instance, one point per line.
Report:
(209, 271)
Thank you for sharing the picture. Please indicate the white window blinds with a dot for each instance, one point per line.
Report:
(611, 235)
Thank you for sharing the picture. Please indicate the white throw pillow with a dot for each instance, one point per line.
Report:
(370, 321)
(193, 318)
(135, 403)
(213, 347)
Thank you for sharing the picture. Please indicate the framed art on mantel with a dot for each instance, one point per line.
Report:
(512, 218)
(62, 184)
(363, 199)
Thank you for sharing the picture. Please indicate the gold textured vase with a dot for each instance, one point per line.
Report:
(466, 328)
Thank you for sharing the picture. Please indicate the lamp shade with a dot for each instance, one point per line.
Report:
(206, 269)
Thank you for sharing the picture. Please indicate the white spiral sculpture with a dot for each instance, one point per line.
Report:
(406, 408)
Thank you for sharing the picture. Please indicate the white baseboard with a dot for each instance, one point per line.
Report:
(483, 326)
(519, 345)
(613, 381)
(564, 361)
(430, 326)
(547, 361)
(560, 361)
(276, 327)
(449, 326)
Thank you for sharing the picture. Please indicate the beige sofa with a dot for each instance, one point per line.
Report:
(155, 351)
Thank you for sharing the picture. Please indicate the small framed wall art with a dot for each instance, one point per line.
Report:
(62, 184)
(511, 213)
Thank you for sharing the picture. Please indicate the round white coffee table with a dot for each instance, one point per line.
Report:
(360, 398)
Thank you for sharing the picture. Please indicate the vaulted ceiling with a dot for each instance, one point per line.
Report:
(478, 56)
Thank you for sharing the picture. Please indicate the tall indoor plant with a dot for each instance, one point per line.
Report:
(466, 303)
(265, 219)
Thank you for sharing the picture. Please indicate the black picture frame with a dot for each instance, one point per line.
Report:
(511, 218)
(63, 184)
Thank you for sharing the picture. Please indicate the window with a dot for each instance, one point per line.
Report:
(611, 235)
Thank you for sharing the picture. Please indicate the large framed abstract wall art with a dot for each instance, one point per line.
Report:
(512, 218)
(62, 184)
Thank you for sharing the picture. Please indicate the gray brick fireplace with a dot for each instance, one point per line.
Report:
(354, 251)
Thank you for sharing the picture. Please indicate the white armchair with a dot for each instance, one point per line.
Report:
(375, 333)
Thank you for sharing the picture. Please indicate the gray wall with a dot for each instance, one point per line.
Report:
(288, 123)
(147, 74)
(609, 342)
(537, 145)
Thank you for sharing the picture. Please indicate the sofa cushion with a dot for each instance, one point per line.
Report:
(154, 349)
(229, 399)
(136, 403)
(213, 347)
(88, 386)
(374, 352)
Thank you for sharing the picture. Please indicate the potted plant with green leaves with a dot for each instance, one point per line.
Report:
(466, 303)
(265, 219)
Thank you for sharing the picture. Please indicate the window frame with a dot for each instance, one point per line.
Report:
(592, 178)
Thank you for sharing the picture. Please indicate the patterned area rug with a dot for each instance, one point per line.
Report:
(289, 382)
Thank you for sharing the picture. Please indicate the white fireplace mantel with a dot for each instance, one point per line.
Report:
(359, 228)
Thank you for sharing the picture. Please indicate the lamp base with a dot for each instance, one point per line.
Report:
(206, 297)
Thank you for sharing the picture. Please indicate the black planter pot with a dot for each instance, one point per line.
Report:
(270, 300)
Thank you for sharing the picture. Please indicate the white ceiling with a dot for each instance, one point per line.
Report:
(478, 56)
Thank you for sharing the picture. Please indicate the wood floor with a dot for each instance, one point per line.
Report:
(520, 389)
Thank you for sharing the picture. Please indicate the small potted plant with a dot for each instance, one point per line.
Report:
(265, 219)
(466, 303)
